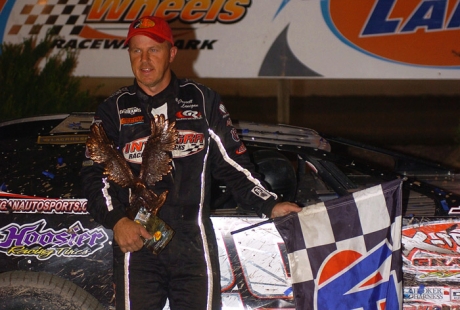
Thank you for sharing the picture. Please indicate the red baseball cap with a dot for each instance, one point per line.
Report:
(151, 26)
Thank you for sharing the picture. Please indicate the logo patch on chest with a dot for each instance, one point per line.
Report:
(188, 143)
(133, 150)
(188, 115)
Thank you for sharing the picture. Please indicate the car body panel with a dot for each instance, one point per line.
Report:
(44, 224)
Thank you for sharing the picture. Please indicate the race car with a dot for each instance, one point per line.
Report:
(53, 255)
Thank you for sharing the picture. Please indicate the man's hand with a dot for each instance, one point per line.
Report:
(128, 233)
(284, 208)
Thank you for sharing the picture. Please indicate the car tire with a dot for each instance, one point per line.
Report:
(27, 290)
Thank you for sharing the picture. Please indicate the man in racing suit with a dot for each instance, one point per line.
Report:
(186, 272)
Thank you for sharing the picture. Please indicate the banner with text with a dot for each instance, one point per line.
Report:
(371, 39)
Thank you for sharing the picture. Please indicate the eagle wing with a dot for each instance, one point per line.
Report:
(156, 157)
(101, 150)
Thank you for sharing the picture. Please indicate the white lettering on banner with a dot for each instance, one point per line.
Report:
(433, 294)
(43, 205)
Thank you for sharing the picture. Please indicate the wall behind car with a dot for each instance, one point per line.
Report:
(384, 112)
(270, 87)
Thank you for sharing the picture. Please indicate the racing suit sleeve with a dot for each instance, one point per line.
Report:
(106, 200)
(231, 164)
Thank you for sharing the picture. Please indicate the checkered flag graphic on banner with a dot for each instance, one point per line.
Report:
(64, 16)
(346, 253)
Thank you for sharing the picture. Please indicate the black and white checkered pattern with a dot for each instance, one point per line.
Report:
(358, 222)
(64, 16)
(193, 148)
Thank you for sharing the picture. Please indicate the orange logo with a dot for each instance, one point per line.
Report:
(205, 11)
(415, 32)
(132, 120)
(146, 23)
(157, 235)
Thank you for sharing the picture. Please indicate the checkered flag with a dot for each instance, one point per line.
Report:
(346, 253)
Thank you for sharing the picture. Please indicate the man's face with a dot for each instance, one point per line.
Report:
(150, 62)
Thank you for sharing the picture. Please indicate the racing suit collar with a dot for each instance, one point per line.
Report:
(159, 99)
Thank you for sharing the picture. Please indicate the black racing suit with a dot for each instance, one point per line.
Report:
(187, 270)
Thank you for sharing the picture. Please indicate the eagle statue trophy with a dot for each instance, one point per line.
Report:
(144, 204)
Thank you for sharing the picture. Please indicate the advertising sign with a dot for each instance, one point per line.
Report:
(431, 263)
(58, 236)
(414, 39)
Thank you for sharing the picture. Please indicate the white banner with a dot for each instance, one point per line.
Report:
(371, 39)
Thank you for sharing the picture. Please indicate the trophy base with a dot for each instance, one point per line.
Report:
(161, 233)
